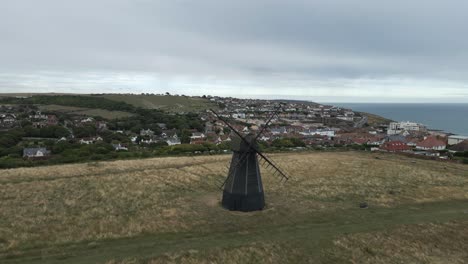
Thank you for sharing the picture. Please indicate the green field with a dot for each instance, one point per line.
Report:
(107, 114)
(166, 103)
(166, 210)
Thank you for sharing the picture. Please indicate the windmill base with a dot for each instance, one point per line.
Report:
(244, 203)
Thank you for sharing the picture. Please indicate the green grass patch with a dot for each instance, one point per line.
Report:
(167, 103)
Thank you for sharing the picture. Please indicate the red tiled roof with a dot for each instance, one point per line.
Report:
(431, 142)
(395, 146)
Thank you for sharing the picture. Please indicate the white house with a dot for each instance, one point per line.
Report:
(321, 132)
(91, 140)
(35, 152)
(455, 139)
(197, 135)
(146, 132)
(431, 143)
(119, 146)
(173, 141)
(238, 115)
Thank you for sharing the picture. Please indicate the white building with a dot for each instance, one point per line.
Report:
(321, 132)
(398, 127)
(239, 115)
(146, 132)
(453, 140)
(197, 135)
(346, 118)
(173, 141)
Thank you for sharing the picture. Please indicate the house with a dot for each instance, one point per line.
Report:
(90, 140)
(278, 130)
(321, 132)
(39, 124)
(35, 153)
(171, 133)
(197, 135)
(119, 146)
(345, 118)
(101, 125)
(209, 127)
(7, 120)
(38, 115)
(147, 141)
(455, 139)
(395, 146)
(396, 137)
(431, 143)
(238, 115)
(147, 132)
(173, 141)
(460, 147)
(375, 141)
(87, 120)
(52, 120)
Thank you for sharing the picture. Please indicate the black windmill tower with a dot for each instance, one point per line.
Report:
(243, 188)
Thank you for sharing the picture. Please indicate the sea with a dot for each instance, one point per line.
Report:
(451, 118)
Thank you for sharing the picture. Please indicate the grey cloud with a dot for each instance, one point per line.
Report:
(258, 42)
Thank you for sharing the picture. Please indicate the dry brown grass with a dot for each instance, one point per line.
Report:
(70, 203)
(385, 180)
(423, 243)
(252, 253)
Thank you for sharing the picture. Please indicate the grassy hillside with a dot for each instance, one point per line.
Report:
(166, 103)
(166, 210)
(85, 111)
(374, 120)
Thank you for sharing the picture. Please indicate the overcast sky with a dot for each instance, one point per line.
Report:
(326, 51)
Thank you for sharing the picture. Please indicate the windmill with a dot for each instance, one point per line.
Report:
(243, 188)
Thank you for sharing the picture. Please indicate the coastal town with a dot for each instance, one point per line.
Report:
(295, 126)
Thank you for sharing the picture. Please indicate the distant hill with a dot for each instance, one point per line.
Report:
(375, 119)
(296, 101)
(169, 103)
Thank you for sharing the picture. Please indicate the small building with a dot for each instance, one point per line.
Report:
(431, 143)
(32, 153)
(171, 133)
(197, 135)
(52, 120)
(173, 141)
(395, 146)
(146, 132)
(101, 125)
(455, 139)
(321, 132)
(460, 147)
(90, 140)
(87, 120)
(119, 147)
(7, 120)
